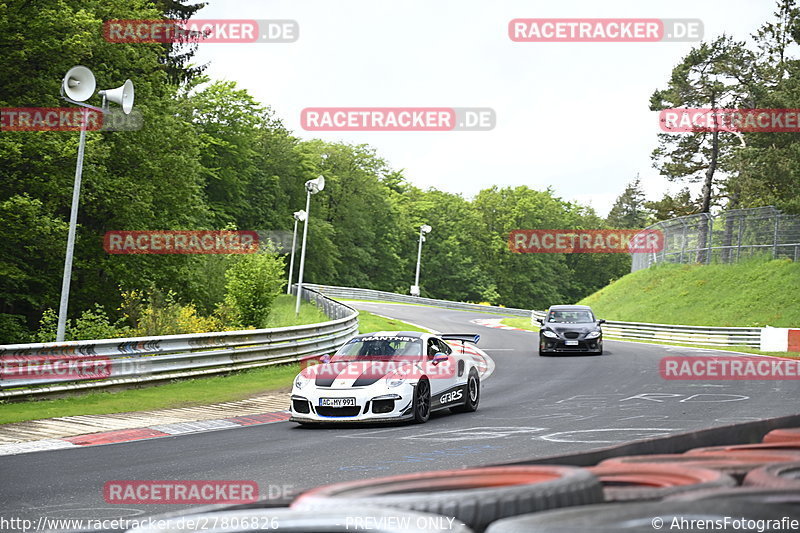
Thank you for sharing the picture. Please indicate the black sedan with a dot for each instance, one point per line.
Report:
(570, 328)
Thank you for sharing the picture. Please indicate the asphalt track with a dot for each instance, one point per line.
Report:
(531, 406)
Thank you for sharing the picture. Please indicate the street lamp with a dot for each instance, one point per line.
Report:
(301, 217)
(313, 187)
(423, 229)
(79, 85)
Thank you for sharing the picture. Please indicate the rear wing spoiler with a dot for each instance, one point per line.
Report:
(463, 337)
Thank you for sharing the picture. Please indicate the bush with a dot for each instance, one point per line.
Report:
(159, 313)
(91, 324)
(252, 283)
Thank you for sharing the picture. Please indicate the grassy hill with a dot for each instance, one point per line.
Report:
(750, 293)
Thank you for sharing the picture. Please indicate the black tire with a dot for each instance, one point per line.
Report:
(422, 401)
(775, 476)
(746, 496)
(732, 463)
(473, 394)
(381, 520)
(626, 482)
(475, 496)
(641, 517)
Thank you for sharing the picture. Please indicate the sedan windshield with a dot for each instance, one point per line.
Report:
(570, 317)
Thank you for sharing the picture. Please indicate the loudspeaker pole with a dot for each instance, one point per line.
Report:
(76, 87)
(73, 222)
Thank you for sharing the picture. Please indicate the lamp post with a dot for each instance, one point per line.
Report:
(312, 187)
(423, 229)
(79, 85)
(299, 216)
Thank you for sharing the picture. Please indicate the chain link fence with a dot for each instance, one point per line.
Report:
(725, 238)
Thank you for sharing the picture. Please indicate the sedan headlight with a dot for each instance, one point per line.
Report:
(593, 334)
(550, 334)
(300, 381)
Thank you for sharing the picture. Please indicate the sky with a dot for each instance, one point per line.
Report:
(571, 116)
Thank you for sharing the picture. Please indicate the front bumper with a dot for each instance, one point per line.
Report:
(548, 345)
(372, 404)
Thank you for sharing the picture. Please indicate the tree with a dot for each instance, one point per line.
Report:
(720, 75)
(629, 211)
(714, 76)
(769, 164)
(672, 206)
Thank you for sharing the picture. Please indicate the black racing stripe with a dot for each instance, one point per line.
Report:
(328, 374)
(324, 381)
(366, 380)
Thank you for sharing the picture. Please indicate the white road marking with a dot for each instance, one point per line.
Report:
(646, 433)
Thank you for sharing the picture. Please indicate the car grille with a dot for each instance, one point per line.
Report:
(301, 406)
(338, 411)
(382, 406)
(571, 335)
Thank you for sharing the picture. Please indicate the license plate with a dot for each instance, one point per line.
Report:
(571, 343)
(337, 402)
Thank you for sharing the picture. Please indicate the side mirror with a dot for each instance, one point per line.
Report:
(325, 359)
(438, 358)
(540, 321)
(601, 321)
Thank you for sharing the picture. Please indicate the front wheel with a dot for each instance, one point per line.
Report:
(473, 394)
(422, 401)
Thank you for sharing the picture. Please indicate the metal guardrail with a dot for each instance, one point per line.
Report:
(351, 293)
(145, 359)
(702, 335)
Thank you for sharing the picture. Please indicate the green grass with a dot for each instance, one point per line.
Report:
(368, 322)
(519, 322)
(751, 293)
(184, 393)
(282, 313)
(191, 392)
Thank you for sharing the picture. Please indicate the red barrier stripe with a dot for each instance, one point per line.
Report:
(265, 418)
(794, 340)
(108, 437)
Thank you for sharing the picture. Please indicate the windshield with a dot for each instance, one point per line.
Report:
(382, 347)
(570, 317)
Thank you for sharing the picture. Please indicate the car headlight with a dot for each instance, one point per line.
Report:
(395, 380)
(300, 381)
(593, 334)
(548, 333)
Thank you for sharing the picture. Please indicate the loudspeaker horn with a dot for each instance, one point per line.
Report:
(78, 84)
(316, 185)
(122, 95)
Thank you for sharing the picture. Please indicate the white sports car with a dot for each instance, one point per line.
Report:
(388, 376)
